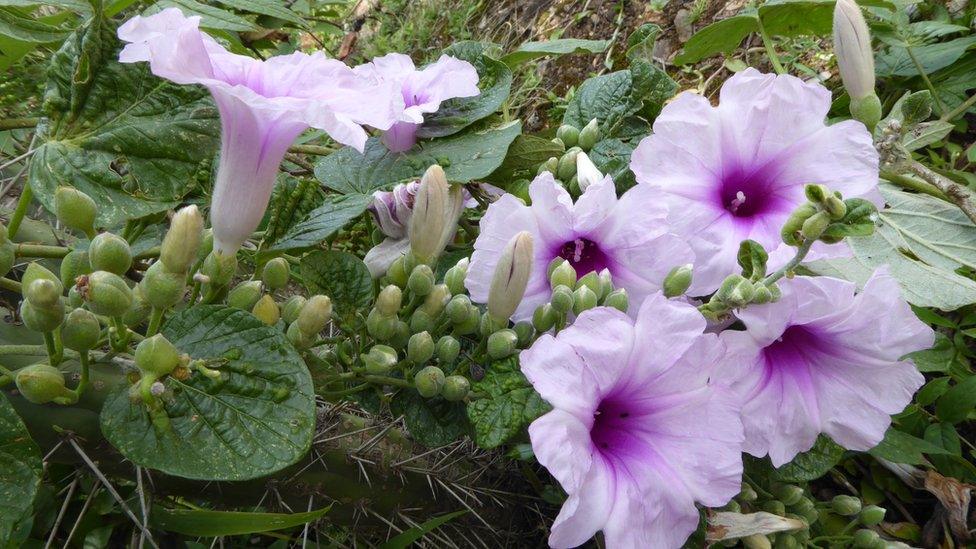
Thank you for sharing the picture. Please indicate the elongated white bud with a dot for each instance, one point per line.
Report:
(182, 241)
(430, 211)
(586, 172)
(511, 276)
(852, 46)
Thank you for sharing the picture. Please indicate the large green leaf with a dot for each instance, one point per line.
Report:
(607, 97)
(24, 28)
(523, 159)
(20, 474)
(508, 405)
(958, 402)
(342, 276)
(132, 142)
(256, 419)
(897, 62)
(271, 8)
(324, 221)
(204, 522)
(465, 156)
(812, 464)
(900, 447)
(431, 421)
(562, 46)
(456, 114)
(721, 36)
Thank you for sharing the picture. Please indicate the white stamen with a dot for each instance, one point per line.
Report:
(740, 199)
(578, 252)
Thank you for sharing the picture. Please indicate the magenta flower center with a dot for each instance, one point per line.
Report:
(746, 193)
(613, 430)
(584, 255)
(791, 355)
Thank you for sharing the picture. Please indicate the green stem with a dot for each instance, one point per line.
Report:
(770, 49)
(195, 293)
(121, 334)
(85, 371)
(23, 350)
(18, 123)
(343, 392)
(940, 108)
(386, 380)
(155, 320)
(41, 250)
(12, 285)
(148, 254)
(311, 149)
(22, 204)
(958, 111)
(801, 251)
(913, 184)
(52, 349)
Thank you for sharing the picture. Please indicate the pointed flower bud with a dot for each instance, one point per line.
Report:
(511, 277)
(182, 242)
(220, 267)
(543, 318)
(590, 135)
(245, 295)
(566, 168)
(36, 271)
(106, 293)
(429, 381)
(562, 299)
(43, 293)
(74, 265)
(381, 327)
(161, 287)
(855, 58)
(845, 506)
(563, 275)
(75, 209)
(568, 134)
(431, 208)
(109, 252)
(678, 280)
(447, 350)
(618, 300)
(156, 356)
(267, 311)
(389, 301)
(380, 359)
(502, 344)
(276, 273)
(420, 321)
(80, 331)
(41, 319)
(872, 514)
(420, 347)
(292, 308)
(454, 277)
(42, 383)
(315, 315)
(584, 299)
(436, 300)
(586, 172)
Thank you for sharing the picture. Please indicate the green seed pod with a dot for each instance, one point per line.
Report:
(7, 257)
(678, 280)
(814, 226)
(43, 293)
(456, 388)
(454, 277)
(74, 265)
(794, 224)
(789, 494)
(846, 506)
(75, 209)
(429, 381)
(436, 300)
(543, 318)
(41, 383)
(590, 135)
(81, 331)
(502, 344)
(380, 360)
(156, 356)
(35, 271)
(245, 295)
(583, 299)
(106, 293)
(389, 301)
(41, 320)
(380, 327)
(315, 315)
(420, 347)
(618, 300)
(562, 299)
(181, 245)
(276, 273)
(567, 164)
(563, 275)
(221, 268)
(397, 273)
(299, 340)
(447, 349)
(872, 514)
(525, 333)
(568, 134)
(865, 538)
(267, 311)
(421, 280)
(421, 322)
(291, 308)
(109, 252)
(162, 288)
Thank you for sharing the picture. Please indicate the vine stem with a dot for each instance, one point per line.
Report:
(155, 320)
(12, 285)
(956, 193)
(801, 252)
(18, 216)
(18, 123)
(913, 184)
(85, 371)
(52, 349)
(770, 49)
(41, 251)
(951, 115)
(925, 78)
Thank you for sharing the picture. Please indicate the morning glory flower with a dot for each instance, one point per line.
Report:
(629, 237)
(824, 360)
(637, 433)
(737, 170)
(264, 106)
(423, 90)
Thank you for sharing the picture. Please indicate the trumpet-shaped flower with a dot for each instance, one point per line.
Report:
(423, 90)
(637, 433)
(737, 170)
(824, 360)
(627, 236)
(264, 106)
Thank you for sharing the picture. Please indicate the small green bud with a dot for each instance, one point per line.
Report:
(397, 273)
(456, 388)
(454, 277)
(80, 331)
(835, 207)
(299, 339)
(525, 333)
(35, 271)
(457, 309)
(488, 325)
(139, 311)
(220, 267)
(618, 300)
(7, 256)
(206, 245)
(785, 540)
(552, 164)
(389, 300)
(74, 298)
(42, 383)
(815, 225)
(573, 185)
(568, 134)
(756, 541)
(41, 319)
(865, 538)
(182, 241)
(606, 284)
(747, 494)
(436, 300)
(470, 324)
(315, 315)
(74, 265)
(816, 193)
(775, 507)
(380, 360)
(543, 318)
(109, 252)
(421, 322)
(502, 344)
(429, 381)
(291, 308)
(43, 293)
(511, 277)
(872, 514)
(592, 281)
(583, 299)
(245, 295)
(559, 143)
(794, 224)
(566, 168)
(156, 356)
(276, 273)
(846, 506)
(106, 293)
(448, 349)
(763, 294)
(401, 335)
(163, 288)
(678, 280)
(867, 109)
(420, 347)
(789, 494)
(75, 209)
(590, 135)
(421, 280)
(267, 311)
(563, 275)
(562, 299)
(735, 291)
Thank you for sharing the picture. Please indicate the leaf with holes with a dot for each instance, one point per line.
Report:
(509, 405)
(812, 464)
(343, 277)
(324, 221)
(257, 418)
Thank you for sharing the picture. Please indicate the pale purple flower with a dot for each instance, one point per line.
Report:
(264, 106)
(628, 236)
(637, 433)
(737, 170)
(824, 360)
(423, 90)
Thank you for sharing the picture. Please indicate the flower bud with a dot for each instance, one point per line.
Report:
(421, 322)
(488, 325)
(562, 299)
(276, 273)
(380, 360)
(447, 349)
(566, 168)
(182, 242)
(206, 245)
(431, 209)
(41, 319)
(794, 224)
(42, 383)
(81, 331)
(109, 252)
(401, 335)
(559, 143)
(436, 300)
(245, 295)
(397, 274)
(298, 339)
(775, 507)
(267, 311)
(470, 324)
(161, 287)
(429, 381)
(813, 227)
(543, 318)
(747, 494)
(7, 256)
(789, 494)
(872, 514)
(816, 193)
(502, 344)
(865, 538)
(75, 209)
(421, 280)
(389, 301)
(763, 294)
(454, 277)
(139, 311)
(291, 308)
(586, 172)
(525, 332)
(678, 280)
(846, 506)
(220, 267)
(34, 272)
(43, 293)
(867, 110)
(106, 293)
(315, 315)
(552, 165)
(592, 281)
(852, 46)
(156, 356)
(835, 207)
(420, 347)
(563, 275)
(74, 265)
(735, 291)
(379, 326)
(511, 277)
(457, 309)
(590, 135)
(568, 134)
(456, 388)
(584, 299)
(618, 300)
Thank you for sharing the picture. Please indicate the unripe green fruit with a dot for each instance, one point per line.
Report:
(106, 293)
(108, 252)
(429, 381)
(245, 295)
(291, 308)
(846, 506)
(420, 348)
(567, 164)
(584, 299)
(568, 134)
(379, 326)
(41, 320)
(789, 494)
(267, 311)
(315, 315)
(7, 257)
(436, 300)
(618, 300)
(543, 318)
(221, 268)
(421, 322)
(562, 299)
(678, 280)
(41, 383)
(865, 538)
(35, 271)
(590, 135)
(81, 331)
(162, 288)
(563, 275)
(75, 209)
(457, 309)
(380, 360)
(276, 273)
(525, 333)
(502, 344)
(156, 356)
(181, 245)
(872, 514)
(421, 280)
(43, 293)
(456, 388)
(389, 300)
(74, 265)
(448, 349)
